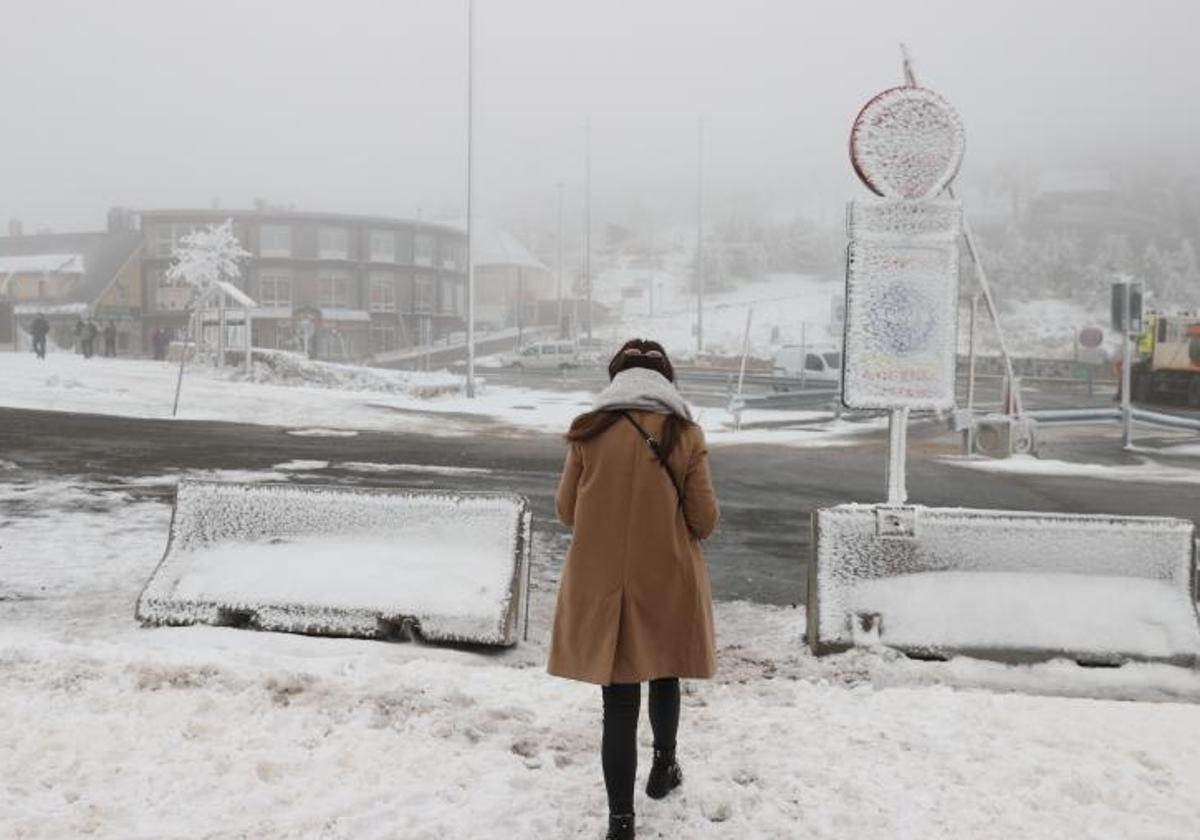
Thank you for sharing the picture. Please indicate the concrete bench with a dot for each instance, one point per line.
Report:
(1011, 585)
(345, 561)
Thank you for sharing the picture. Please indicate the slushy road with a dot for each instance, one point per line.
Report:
(766, 491)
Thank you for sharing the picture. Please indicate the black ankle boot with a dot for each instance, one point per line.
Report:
(620, 827)
(665, 774)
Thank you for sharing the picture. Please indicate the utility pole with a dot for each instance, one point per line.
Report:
(587, 224)
(470, 197)
(650, 283)
(558, 268)
(700, 238)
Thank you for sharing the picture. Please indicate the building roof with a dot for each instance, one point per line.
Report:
(270, 214)
(102, 255)
(48, 263)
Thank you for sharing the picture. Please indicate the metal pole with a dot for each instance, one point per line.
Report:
(559, 260)
(803, 355)
(650, 283)
(470, 197)
(587, 224)
(700, 237)
(221, 328)
(520, 318)
(969, 439)
(897, 489)
(742, 368)
(1126, 374)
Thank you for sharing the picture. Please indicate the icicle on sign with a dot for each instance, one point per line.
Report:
(902, 270)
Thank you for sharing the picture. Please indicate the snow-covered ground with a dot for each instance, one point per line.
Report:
(1148, 470)
(350, 399)
(788, 309)
(115, 731)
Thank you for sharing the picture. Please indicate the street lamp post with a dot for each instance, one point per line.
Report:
(700, 238)
(470, 197)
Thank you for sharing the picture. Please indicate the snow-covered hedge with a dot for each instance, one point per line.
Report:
(280, 367)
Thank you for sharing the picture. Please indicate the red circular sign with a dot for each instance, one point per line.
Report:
(907, 143)
(1091, 337)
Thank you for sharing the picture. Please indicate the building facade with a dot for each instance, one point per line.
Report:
(67, 277)
(342, 287)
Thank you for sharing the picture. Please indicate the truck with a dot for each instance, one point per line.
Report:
(1167, 366)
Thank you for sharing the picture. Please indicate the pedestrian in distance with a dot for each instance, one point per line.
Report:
(110, 340)
(90, 331)
(634, 603)
(39, 329)
(79, 329)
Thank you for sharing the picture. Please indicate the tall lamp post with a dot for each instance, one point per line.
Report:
(470, 197)
(587, 225)
(558, 267)
(700, 238)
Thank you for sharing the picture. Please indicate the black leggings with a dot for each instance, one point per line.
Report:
(618, 747)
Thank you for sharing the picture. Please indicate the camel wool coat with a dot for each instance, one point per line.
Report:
(634, 602)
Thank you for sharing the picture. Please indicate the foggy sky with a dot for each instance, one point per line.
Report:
(359, 105)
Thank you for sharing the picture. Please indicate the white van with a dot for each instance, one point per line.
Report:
(545, 355)
(812, 363)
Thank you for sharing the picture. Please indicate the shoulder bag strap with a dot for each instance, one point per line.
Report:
(653, 444)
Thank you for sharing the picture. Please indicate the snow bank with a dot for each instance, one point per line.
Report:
(279, 367)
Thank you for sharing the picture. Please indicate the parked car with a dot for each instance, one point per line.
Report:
(812, 364)
(545, 355)
(595, 350)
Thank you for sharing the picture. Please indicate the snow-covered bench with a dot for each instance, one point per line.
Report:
(1012, 585)
(347, 561)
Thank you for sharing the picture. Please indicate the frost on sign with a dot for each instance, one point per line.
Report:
(901, 325)
(907, 142)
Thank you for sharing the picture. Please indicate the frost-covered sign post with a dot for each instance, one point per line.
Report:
(936, 582)
(902, 267)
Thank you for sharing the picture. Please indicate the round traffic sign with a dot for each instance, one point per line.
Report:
(907, 142)
(1091, 337)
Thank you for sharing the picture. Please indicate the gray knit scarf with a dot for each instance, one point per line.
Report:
(642, 389)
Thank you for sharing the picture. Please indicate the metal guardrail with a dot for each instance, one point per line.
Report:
(1085, 416)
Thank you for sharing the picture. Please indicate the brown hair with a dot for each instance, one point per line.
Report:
(595, 423)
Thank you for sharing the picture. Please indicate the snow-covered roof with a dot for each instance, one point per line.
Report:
(236, 294)
(491, 246)
(50, 309)
(35, 263)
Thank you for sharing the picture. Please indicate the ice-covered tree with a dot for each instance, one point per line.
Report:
(205, 257)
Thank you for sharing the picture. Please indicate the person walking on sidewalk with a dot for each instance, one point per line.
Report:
(634, 603)
(39, 329)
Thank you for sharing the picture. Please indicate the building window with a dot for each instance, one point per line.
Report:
(449, 255)
(383, 336)
(423, 249)
(166, 237)
(383, 292)
(447, 301)
(333, 243)
(274, 241)
(425, 297)
(275, 288)
(383, 246)
(333, 289)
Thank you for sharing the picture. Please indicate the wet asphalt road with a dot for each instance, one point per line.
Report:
(766, 492)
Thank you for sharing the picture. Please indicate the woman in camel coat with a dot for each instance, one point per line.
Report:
(634, 603)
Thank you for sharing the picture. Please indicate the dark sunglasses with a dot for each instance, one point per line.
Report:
(649, 354)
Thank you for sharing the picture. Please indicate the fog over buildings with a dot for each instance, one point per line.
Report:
(360, 106)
